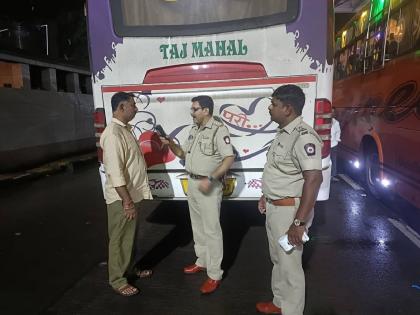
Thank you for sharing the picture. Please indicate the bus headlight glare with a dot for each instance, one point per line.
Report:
(385, 182)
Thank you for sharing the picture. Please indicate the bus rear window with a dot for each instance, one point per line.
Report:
(196, 17)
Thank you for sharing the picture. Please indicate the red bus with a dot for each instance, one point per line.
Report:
(377, 97)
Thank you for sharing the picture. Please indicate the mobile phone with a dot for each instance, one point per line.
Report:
(160, 131)
(284, 241)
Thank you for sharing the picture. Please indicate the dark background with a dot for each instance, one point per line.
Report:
(23, 31)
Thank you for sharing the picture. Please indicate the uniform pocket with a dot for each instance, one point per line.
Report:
(283, 160)
(206, 146)
(280, 152)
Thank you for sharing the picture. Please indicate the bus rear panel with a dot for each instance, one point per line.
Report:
(238, 59)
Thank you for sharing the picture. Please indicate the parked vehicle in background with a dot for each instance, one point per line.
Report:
(377, 96)
(238, 52)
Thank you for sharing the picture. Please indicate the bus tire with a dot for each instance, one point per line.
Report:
(372, 172)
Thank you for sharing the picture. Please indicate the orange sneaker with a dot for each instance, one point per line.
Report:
(268, 308)
(209, 286)
(193, 269)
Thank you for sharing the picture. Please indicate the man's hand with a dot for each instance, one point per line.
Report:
(176, 149)
(130, 214)
(205, 185)
(261, 205)
(295, 234)
(130, 211)
(164, 141)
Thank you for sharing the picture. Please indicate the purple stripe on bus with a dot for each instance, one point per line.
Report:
(100, 24)
(312, 21)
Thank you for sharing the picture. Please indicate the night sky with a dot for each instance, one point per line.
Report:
(39, 10)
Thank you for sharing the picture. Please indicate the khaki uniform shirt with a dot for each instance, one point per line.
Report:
(124, 163)
(206, 148)
(296, 148)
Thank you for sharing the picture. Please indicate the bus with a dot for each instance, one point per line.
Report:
(238, 52)
(377, 96)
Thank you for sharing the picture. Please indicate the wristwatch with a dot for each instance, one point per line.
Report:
(297, 222)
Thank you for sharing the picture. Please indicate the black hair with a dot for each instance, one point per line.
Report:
(205, 101)
(291, 94)
(119, 97)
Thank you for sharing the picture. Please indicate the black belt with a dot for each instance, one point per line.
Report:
(193, 176)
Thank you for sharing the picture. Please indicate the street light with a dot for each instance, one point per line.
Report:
(46, 35)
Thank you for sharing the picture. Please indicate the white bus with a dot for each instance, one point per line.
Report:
(237, 51)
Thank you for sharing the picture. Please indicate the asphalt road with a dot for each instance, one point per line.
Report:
(363, 256)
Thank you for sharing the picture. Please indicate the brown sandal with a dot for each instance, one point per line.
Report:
(127, 290)
(147, 273)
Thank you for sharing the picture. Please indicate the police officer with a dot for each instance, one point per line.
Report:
(208, 155)
(290, 183)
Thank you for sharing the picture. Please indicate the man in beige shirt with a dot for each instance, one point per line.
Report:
(126, 185)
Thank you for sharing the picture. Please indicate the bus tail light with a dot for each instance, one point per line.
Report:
(99, 128)
(323, 123)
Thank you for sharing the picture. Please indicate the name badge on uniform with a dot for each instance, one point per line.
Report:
(309, 149)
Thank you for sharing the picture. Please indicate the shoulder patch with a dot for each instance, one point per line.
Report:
(218, 123)
(310, 149)
(226, 140)
(218, 119)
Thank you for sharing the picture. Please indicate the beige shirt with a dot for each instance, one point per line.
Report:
(124, 163)
(296, 148)
(206, 148)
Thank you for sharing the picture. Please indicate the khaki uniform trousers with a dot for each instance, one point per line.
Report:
(205, 222)
(121, 233)
(287, 278)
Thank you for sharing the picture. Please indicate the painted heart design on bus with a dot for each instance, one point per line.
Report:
(247, 119)
(160, 99)
(245, 151)
(153, 150)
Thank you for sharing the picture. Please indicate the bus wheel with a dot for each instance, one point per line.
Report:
(372, 172)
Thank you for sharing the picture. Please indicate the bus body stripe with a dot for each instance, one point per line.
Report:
(195, 85)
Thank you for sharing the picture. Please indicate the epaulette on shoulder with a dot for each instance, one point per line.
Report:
(218, 121)
(302, 130)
